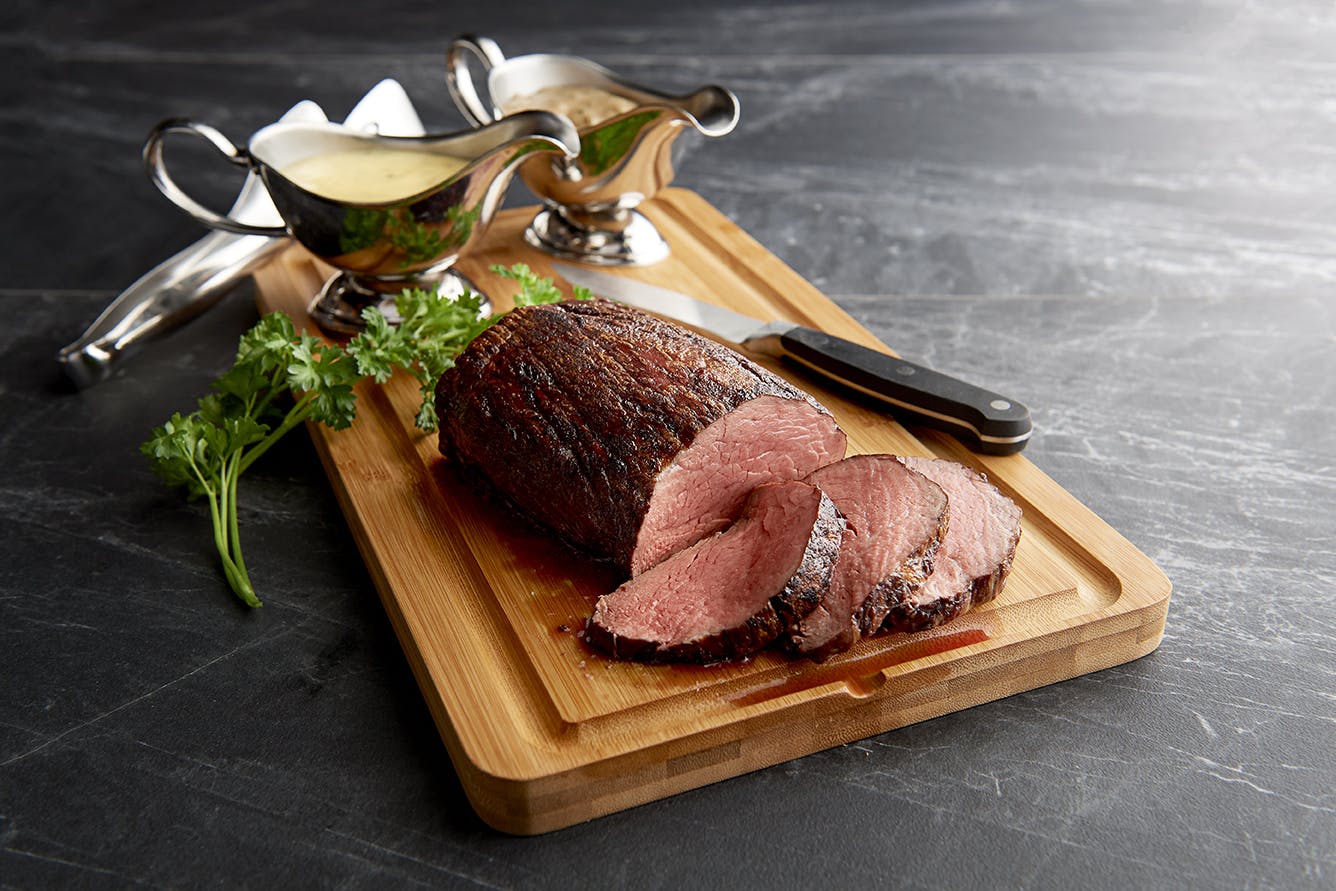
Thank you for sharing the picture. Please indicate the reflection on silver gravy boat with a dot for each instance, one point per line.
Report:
(625, 146)
(389, 212)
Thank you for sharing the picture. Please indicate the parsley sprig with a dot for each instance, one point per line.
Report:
(281, 378)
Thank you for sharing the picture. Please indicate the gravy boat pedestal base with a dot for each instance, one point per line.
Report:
(337, 309)
(630, 240)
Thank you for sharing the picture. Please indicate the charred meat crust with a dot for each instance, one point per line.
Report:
(799, 596)
(572, 410)
(907, 616)
(916, 568)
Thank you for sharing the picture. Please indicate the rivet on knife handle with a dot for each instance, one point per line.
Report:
(988, 422)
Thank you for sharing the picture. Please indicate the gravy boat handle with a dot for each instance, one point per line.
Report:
(460, 80)
(713, 110)
(157, 170)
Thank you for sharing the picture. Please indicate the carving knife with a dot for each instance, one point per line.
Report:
(985, 421)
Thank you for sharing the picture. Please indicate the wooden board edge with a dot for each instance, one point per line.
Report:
(535, 807)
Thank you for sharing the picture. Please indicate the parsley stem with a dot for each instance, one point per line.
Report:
(234, 533)
(298, 413)
(223, 514)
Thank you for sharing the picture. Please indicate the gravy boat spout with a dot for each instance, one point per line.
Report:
(387, 212)
(627, 132)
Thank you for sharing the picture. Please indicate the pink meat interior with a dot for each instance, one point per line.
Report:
(763, 440)
(891, 512)
(983, 523)
(721, 581)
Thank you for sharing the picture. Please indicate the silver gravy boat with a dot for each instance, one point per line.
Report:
(378, 248)
(590, 199)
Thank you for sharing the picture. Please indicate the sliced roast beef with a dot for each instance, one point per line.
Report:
(896, 518)
(976, 553)
(732, 593)
(629, 436)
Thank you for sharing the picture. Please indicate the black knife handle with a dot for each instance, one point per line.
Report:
(985, 421)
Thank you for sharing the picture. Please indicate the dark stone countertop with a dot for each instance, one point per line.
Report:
(1120, 212)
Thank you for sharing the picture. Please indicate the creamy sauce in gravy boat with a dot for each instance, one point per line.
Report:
(389, 212)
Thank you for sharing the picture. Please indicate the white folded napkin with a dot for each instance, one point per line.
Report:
(385, 109)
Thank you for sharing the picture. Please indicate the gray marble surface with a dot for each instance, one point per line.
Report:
(1120, 212)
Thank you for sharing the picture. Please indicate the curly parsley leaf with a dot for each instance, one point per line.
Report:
(281, 378)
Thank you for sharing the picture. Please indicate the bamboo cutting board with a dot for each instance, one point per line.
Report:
(545, 733)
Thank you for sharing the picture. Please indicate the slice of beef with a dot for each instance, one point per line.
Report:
(629, 436)
(972, 564)
(731, 594)
(896, 519)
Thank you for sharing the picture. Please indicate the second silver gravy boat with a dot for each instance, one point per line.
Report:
(384, 247)
(590, 199)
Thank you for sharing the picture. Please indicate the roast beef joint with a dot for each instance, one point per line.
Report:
(719, 490)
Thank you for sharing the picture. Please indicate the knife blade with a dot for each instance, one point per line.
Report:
(985, 421)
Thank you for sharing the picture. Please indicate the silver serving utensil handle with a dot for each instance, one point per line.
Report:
(173, 292)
